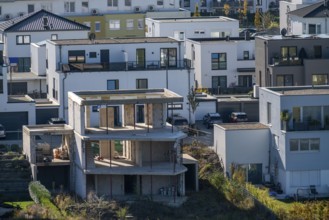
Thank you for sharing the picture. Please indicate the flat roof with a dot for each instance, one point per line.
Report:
(16, 76)
(114, 41)
(138, 96)
(294, 37)
(194, 19)
(300, 90)
(47, 128)
(242, 126)
(216, 39)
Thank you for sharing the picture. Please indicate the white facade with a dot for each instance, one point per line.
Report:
(240, 57)
(194, 27)
(245, 146)
(123, 54)
(81, 7)
(288, 6)
(301, 26)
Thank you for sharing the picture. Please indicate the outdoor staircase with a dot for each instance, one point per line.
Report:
(15, 176)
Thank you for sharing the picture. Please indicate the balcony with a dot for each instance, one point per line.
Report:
(125, 66)
(286, 61)
(305, 126)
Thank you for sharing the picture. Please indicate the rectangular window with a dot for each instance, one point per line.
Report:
(1, 86)
(320, 79)
(0, 10)
(311, 29)
(305, 144)
(159, 2)
(287, 52)
(85, 7)
(203, 3)
(130, 24)
(284, 80)
(317, 51)
(112, 3)
(168, 57)
(245, 81)
(76, 56)
(304, 28)
(218, 61)
(97, 26)
(246, 55)
(112, 84)
(69, 7)
(187, 3)
(23, 39)
(54, 37)
(114, 25)
(140, 24)
(141, 84)
(92, 55)
(318, 29)
(127, 2)
(30, 8)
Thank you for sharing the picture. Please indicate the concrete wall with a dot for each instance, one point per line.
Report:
(160, 151)
(106, 183)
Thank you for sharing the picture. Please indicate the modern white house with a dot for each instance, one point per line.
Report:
(286, 7)
(193, 27)
(312, 19)
(116, 161)
(292, 135)
(120, 63)
(222, 64)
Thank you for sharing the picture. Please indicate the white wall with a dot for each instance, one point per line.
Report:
(164, 28)
(38, 62)
(242, 146)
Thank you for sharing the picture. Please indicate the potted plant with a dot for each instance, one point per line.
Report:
(285, 117)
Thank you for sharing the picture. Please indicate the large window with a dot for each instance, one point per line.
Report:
(69, 6)
(112, 84)
(305, 144)
(140, 24)
(141, 84)
(1, 86)
(24, 64)
(76, 56)
(320, 79)
(284, 80)
(85, 6)
(287, 52)
(245, 81)
(168, 57)
(112, 3)
(23, 39)
(218, 61)
(159, 2)
(114, 24)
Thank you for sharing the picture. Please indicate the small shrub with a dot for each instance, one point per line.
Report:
(15, 148)
(122, 213)
(38, 191)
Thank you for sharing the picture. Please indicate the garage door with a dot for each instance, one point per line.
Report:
(43, 115)
(13, 121)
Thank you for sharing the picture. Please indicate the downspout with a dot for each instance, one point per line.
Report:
(63, 92)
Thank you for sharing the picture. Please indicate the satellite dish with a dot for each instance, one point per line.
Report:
(92, 36)
(283, 32)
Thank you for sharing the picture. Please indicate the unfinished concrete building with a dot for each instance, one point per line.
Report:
(140, 156)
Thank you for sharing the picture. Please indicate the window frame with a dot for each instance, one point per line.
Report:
(114, 24)
(139, 83)
(305, 145)
(112, 3)
(116, 84)
(129, 24)
(23, 39)
(97, 26)
(216, 63)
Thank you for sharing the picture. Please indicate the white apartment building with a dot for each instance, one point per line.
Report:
(222, 64)
(112, 64)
